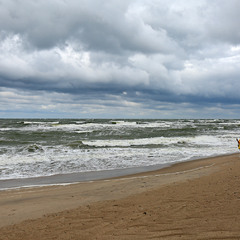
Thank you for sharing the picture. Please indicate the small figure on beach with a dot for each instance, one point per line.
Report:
(238, 140)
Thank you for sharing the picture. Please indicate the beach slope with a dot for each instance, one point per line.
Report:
(192, 200)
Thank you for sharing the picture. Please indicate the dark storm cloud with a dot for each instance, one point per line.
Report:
(95, 24)
(122, 52)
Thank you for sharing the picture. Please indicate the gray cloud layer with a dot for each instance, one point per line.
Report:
(146, 55)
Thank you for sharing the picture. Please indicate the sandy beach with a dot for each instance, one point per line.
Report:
(192, 200)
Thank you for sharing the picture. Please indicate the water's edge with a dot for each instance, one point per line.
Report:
(71, 178)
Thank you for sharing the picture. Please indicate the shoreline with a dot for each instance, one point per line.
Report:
(78, 177)
(198, 198)
(74, 178)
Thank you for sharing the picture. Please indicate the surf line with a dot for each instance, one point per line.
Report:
(156, 175)
(106, 180)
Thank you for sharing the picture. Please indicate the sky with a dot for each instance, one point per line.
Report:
(119, 59)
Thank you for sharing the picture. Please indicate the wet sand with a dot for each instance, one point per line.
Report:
(192, 200)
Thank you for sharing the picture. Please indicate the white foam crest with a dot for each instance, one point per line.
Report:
(39, 123)
(206, 140)
(209, 140)
(237, 122)
(120, 122)
(90, 127)
(7, 129)
(51, 126)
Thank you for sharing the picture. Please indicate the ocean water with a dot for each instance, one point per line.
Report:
(45, 147)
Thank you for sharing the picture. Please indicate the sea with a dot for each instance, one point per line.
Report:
(31, 148)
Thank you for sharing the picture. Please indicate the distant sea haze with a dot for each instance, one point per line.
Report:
(45, 147)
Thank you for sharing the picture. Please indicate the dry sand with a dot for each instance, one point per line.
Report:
(192, 200)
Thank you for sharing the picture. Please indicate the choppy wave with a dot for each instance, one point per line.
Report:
(43, 147)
